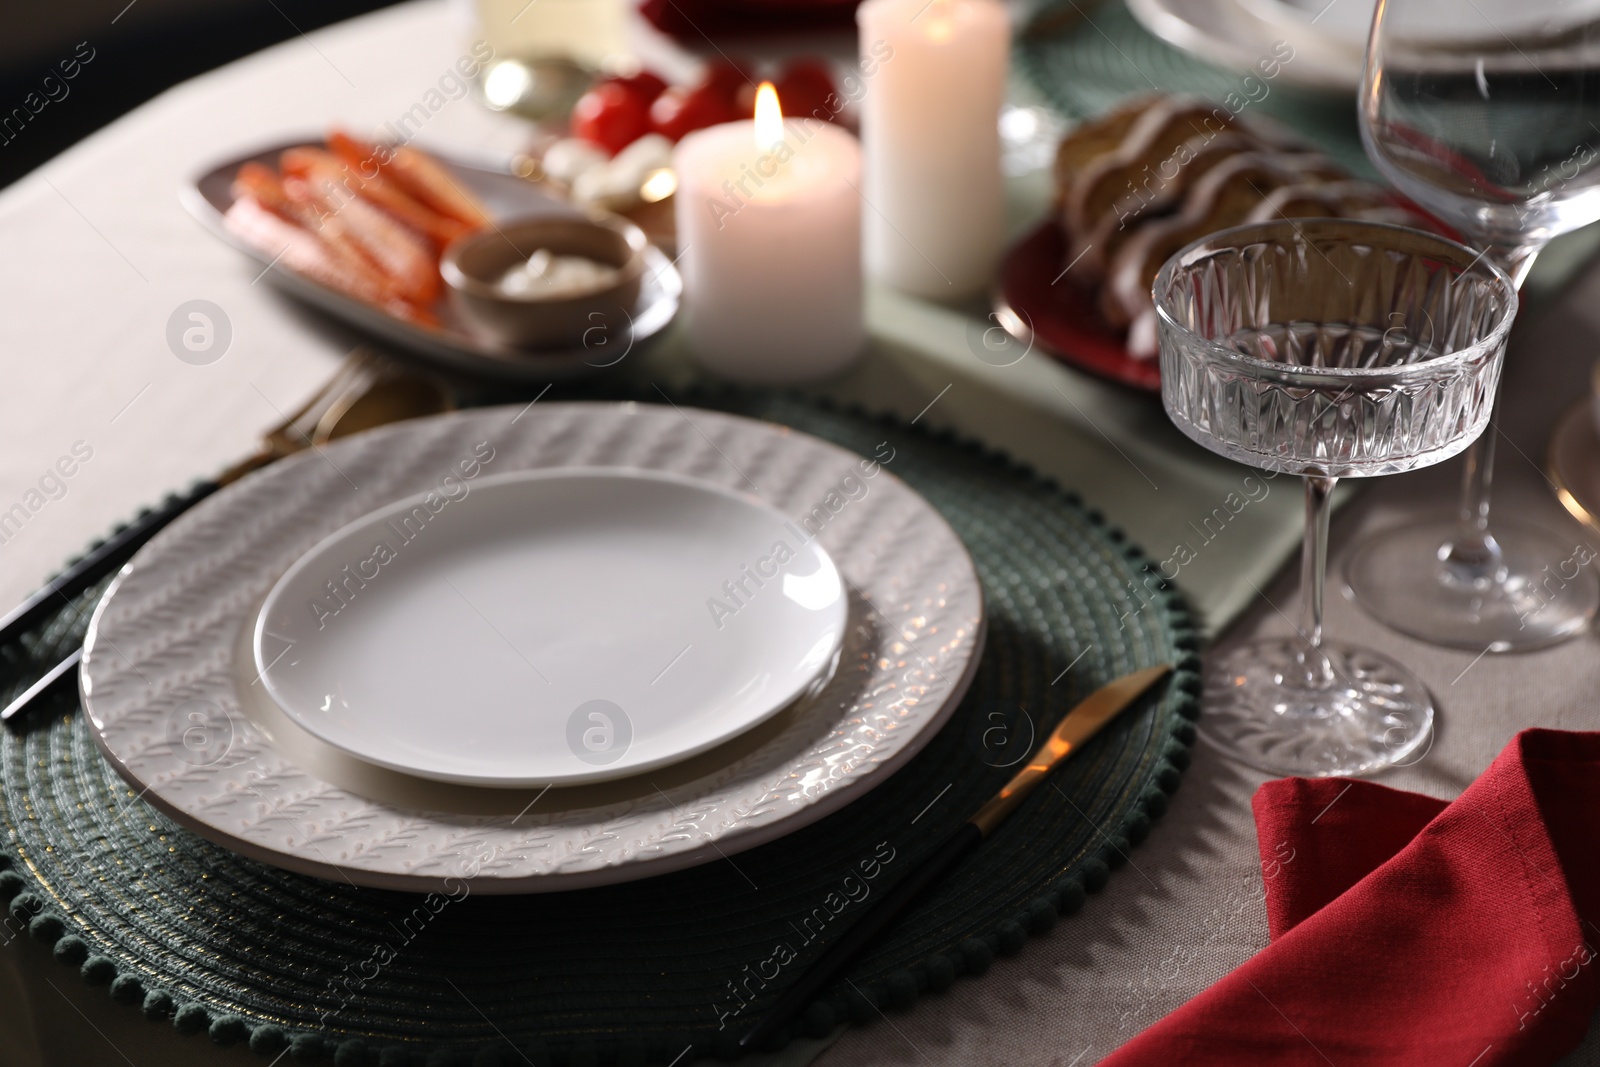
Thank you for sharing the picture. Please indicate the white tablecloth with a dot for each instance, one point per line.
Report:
(97, 253)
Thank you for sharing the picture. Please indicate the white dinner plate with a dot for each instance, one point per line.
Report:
(1346, 23)
(550, 627)
(1341, 23)
(1235, 35)
(173, 694)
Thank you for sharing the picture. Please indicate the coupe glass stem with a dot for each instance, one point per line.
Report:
(1313, 579)
(1473, 555)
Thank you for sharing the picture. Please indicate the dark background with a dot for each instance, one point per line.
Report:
(150, 46)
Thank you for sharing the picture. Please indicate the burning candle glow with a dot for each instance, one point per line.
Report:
(768, 118)
(769, 227)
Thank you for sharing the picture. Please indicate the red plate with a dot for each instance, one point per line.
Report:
(1061, 316)
(1038, 303)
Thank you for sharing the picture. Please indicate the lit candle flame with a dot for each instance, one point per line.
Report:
(769, 117)
(660, 185)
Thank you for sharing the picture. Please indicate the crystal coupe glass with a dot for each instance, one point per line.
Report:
(1329, 349)
(1487, 113)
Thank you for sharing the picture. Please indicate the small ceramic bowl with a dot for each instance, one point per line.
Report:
(473, 266)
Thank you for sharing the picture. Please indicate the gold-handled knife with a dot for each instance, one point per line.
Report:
(1074, 730)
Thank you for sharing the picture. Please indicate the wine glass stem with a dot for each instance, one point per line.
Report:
(1313, 578)
(1473, 555)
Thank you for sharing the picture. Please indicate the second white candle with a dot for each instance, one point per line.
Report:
(930, 129)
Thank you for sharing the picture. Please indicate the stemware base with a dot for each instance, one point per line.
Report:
(1360, 714)
(1542, 593)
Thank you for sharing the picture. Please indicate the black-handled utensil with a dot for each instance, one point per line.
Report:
(62, 674)
(360, 396)
(290, 436)
(1080, 724)
(104, 560)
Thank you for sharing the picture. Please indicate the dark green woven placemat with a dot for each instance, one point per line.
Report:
(670, 967)
(1086, 56)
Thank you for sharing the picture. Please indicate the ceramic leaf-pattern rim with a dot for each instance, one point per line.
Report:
(166, 636)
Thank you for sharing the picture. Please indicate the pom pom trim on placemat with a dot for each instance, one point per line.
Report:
(898, 989)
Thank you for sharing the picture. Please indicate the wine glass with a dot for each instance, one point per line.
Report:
(1327, 348)
(1487, 114)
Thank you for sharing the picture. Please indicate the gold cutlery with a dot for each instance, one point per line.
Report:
(1079, 725)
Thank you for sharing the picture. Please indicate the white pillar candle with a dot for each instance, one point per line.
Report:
(930, 129)
(769, 228)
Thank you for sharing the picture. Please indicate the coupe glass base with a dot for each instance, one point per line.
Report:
(1543, 593)
(1362, 714)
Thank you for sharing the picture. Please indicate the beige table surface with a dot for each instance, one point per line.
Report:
(98, 253)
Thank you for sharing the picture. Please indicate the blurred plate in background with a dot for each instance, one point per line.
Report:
(1232, 35)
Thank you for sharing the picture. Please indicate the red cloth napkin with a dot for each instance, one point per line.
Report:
(699, 21)
(1410, 931)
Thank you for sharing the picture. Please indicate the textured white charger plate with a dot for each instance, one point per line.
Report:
(169, 684)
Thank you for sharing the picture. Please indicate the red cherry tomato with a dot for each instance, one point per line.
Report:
(611, 116)
(806, 88)
(645, 85)
(679, 111)
(728, 77)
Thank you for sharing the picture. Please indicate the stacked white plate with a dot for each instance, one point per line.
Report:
(538, 648)
(1326, 39)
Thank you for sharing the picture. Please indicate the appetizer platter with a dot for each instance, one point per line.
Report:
(358, 230)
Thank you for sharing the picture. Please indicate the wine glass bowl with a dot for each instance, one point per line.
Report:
(1328, 349)
(1487, 114)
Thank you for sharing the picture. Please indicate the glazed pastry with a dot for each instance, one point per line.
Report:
(1224, 197)
(1094, 246)
(1090, 140)
(1145, 180)
(1340, 199)
(1147, 152)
